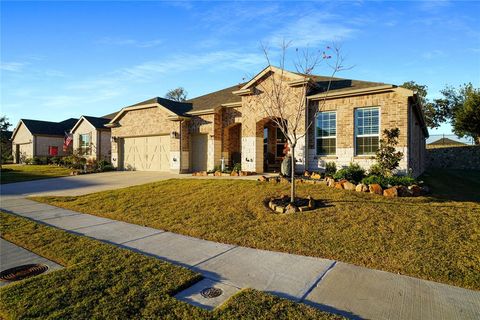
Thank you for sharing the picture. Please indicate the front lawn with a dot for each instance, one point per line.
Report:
(101, 281)
(422, 237)
(17, 173)
(461, 185)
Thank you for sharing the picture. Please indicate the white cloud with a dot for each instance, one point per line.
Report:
(312, 30)
(434, 54)
(130, 42)
(13, 66)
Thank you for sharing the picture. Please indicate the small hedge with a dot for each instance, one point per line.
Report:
(386, 182)
(353, 173)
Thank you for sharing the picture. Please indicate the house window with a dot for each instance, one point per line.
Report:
(280, 143)
(85, 144)
(53, 151)
(265, 140)
(367, 127)
(326, 133)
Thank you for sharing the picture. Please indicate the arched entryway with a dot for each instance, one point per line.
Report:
(274, 145)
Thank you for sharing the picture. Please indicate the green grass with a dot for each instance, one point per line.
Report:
(19, 173)
(461, 185)
(421, 237)
(103, 281)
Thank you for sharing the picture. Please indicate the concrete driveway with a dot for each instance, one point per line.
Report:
(83, 184)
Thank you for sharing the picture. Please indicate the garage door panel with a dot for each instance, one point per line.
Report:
(147, 153)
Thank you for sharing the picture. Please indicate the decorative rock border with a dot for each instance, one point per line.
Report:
(287, 207)
(223, 174)
(392, 192)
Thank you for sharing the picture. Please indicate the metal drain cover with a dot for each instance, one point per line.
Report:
(22, 272)
(211, 292)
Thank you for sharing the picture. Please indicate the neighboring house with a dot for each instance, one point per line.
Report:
(230, 124)
(36, 138)
(445, 142)
(91, 139)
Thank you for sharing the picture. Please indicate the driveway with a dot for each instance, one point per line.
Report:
(89, 183)
(83, 184)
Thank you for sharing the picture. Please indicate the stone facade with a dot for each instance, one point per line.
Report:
(465, 157)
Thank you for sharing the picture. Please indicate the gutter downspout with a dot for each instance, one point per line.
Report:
(180, 154)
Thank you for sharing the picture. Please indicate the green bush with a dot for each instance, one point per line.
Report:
(375, 170)
(353, 173)
(330, 168)
(104, 165)
(74, 161)
(55, 160)
(237, 167)
(387, 182)
(36, 160)
(27, 160)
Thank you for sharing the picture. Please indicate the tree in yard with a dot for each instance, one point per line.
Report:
(287, 107)
(434, 114)
(177, 94)
(467, 117)
(457, 105)
(387, 157)
(5, 147)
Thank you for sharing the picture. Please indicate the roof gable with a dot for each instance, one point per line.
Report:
(95, 122)
(175, 108)
(268, 70)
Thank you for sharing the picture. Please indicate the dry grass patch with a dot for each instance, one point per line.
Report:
(421, 237)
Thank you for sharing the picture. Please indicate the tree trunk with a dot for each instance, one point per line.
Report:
(292, 177)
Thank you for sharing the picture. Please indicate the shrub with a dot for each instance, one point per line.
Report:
(237, 167)
(330, 168)
(387, 158)
(74, 161)
(27, 160)
(387, 182)
(104, 165)
(375, 170)
(353, 173)
(36, 160)
(56, 160)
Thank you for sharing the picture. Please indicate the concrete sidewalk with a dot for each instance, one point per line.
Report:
(352, 291)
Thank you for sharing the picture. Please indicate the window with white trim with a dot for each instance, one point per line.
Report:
(85, 144)
(326, 134)
(367, 128)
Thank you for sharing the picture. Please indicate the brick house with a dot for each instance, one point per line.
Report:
(91, 138)
(37, 138)
(230, 124)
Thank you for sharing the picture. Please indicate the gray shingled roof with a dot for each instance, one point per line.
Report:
(174, 106)
(215, 99)
(98, 123)
(223, 96)
(49, 127)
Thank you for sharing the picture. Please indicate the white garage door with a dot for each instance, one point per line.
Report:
(146, 153)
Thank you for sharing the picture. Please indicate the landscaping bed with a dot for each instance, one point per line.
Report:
(423, 236)
(107, 282)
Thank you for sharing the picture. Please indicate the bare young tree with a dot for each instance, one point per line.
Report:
(288, 107)
(177, 94)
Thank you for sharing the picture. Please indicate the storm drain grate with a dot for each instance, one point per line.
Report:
(211, 292)
(22, 272)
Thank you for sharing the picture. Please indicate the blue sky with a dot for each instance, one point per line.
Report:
(65, 59)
